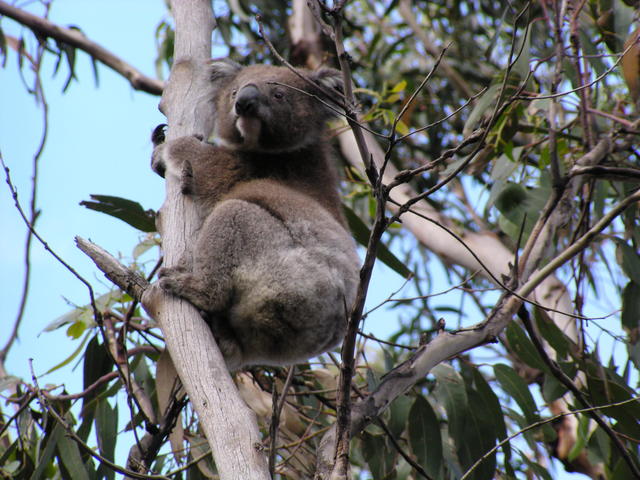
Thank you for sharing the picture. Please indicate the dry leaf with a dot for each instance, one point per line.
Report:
(631, 64)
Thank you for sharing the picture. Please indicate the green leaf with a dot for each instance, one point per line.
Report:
(484, 105)
(70, 54)
(378, 455)
(399, 87)
(361, 233)
(451, 392)
(97, 363)
(503, 168)
(552, 388)
(516, 387)
(70, 460)
(126, 210)
(491, 406)
(552, 333)
(424, 436)
(631, 306)
(373, 380)
(523, 347)
(605, 387)
(523, 52)
(399, 412)
(145, 245)
(76, 330)
(518, 205)
(630, 262)
(581, 437)
(479, 438)
(85, 313)
(106, 428)
(47, 454)
(538, 470)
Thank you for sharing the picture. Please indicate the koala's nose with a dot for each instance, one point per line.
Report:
(247, 100)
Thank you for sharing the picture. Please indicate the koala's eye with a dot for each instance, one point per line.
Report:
(278, 95)
(234, 93)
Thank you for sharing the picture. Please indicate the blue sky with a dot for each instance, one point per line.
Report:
(98, 143)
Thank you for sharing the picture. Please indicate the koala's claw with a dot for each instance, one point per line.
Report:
(158, 134)
(157, 161)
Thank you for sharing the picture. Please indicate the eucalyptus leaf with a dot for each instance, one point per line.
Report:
(516, 387)
(361, 233)
(424, 437)
(126, 210)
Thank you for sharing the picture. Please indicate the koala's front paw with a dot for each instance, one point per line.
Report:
(179, 281)
(173, 157)
(173, 279)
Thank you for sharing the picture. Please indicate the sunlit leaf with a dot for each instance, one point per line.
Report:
(71, 357)
(399, 87)
(76, 329)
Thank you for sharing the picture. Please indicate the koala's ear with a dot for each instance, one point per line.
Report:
(222, 69)
(329, 78)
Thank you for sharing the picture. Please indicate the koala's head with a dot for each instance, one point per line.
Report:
(264, 108)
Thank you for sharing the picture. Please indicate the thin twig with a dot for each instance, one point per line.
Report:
(38, 93)
(415, 465)
(14, 194)
(277, 405)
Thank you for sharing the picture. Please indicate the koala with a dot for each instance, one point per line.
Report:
(273, 268)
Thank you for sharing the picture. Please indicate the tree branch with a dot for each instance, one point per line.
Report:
(45, 28)
(128, 280)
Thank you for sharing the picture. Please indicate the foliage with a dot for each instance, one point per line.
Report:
(544, 100)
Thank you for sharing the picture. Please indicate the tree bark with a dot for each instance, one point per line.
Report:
(228, 423)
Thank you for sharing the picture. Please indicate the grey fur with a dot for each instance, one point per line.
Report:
(273, 267)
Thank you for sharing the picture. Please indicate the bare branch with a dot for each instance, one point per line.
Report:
(47, 29)
(128, 280)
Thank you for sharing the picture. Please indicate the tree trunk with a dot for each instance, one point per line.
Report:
(227, 422)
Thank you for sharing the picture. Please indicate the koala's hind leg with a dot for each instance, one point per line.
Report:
(235, 232)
